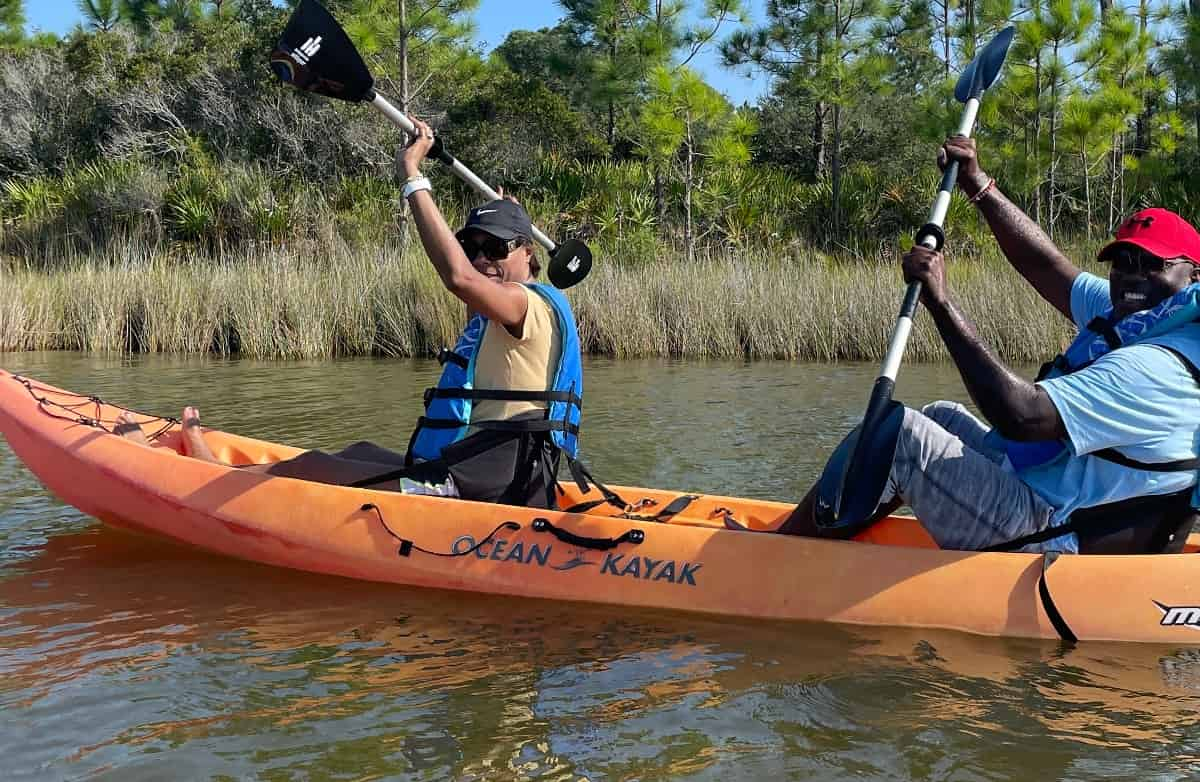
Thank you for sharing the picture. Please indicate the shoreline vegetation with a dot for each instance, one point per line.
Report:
(161, 191)
(311, 301)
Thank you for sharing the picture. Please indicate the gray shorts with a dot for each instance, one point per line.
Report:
(954, 477)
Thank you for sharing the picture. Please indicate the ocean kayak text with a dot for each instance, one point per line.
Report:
(625, 565)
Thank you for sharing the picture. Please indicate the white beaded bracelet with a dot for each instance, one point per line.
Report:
(416, 185)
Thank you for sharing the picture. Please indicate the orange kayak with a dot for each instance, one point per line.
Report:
(642, 556)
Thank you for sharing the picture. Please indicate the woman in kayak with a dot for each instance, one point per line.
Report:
(1099, 455)
(509, 398)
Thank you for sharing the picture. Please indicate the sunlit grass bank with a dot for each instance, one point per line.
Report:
(301, 302)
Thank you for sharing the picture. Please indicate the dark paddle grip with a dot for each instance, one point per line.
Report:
(949, 176)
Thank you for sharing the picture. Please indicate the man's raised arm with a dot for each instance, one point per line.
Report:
(1026, 246)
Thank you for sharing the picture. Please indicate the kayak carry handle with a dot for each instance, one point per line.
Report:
(634, 536)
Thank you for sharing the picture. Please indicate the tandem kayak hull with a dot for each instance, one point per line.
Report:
(891, 575)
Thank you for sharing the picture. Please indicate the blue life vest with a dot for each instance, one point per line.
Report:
(1101, 336)
(448, 406)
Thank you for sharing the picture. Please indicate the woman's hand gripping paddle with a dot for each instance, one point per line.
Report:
(316, 55)
(856, 475)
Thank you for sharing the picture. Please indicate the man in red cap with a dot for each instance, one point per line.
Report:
(1099, 455)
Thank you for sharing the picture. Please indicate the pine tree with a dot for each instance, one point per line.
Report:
(100, 15)
(824, 49)
(686, 122)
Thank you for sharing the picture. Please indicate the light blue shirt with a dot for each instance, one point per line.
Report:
(1140, 399)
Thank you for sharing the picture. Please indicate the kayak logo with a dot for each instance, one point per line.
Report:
(307, 50)
(573, 264)
(1179, 616)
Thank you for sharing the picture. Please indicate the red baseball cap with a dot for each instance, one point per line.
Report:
(1161, 232)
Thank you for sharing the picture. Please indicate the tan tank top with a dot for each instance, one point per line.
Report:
(524, 363)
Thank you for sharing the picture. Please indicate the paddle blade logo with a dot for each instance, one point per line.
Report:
(1179, 616)
(314, 54)
(292, 67)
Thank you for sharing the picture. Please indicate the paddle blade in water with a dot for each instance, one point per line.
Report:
(316, 55)
(569, 264)
(856, 474)
(982, 71)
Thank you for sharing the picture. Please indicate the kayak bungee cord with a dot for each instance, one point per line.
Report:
(73, 411)
(539, 524)
(407, 546)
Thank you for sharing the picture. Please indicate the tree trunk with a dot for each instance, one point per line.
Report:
(612, 108)
(405, 98)
(660, 197)
(1053, 142)
(836, 171)
(1037, 138)
(818, 139)
(1087, 191)
(1112, 181)
(1141, 134)
(969, 31)
(1194, 12)
(946, 35)
(688, 181)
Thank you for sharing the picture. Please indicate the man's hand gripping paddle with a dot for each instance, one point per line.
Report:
(316, 55)
(856, 475)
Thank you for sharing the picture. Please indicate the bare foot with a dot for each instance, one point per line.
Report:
(192, 439)
(130, 429)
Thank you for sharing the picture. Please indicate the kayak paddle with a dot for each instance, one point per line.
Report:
(856, 475)
(316, 55)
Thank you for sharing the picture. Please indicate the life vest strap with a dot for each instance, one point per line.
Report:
(445, 355)
(1116, 457)
(1105, 328)
(516, 425)
(503, 395)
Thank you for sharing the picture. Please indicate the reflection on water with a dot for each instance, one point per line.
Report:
(128, 658)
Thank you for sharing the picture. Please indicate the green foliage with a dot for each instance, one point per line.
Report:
(174, 131)
(12, 22)
(101, 15)
(501, 135)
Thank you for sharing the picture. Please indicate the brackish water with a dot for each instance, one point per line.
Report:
(124, 658)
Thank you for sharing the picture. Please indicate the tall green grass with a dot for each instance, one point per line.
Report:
(316, 300)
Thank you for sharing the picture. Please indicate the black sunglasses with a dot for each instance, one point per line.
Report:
(1131, 260)
(493, 247)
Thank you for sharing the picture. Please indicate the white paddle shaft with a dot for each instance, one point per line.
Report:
(399, 119)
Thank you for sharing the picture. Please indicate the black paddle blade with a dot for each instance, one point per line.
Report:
(982, 71)
(569, 264)
(316, 55)
(867, 464)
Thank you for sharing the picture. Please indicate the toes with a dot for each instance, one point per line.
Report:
(128, 427)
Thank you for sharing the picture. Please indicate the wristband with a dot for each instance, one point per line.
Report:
(982, 191)
(416, 185)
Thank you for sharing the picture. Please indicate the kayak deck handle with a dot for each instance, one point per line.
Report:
(634, 536)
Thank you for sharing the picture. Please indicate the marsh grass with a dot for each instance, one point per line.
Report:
(336, 299)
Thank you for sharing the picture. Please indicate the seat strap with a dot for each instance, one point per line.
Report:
(585, 480)
(1052, 613)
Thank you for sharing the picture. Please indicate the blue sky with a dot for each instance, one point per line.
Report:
(494, 20)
